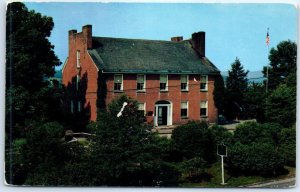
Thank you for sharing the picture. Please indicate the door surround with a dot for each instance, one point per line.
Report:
(167, 104)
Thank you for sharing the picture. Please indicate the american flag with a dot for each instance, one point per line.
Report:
(268, 38)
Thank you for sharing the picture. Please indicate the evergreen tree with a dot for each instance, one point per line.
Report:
(283, 62)
(236, 85)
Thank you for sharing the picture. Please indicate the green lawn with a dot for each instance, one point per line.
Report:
(215, 181)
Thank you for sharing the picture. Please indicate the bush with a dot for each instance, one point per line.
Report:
(250, 132)
(194, 139)
(255, 158)
(193, 169)
(221, 135)
(287, 145)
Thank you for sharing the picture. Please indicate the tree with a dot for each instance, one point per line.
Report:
(236, 85)
(255, 99)
(125, 152)
(255, 149)
(219, 92)
(281, 106)
(194, 139)
(30, 61)
(283, 60)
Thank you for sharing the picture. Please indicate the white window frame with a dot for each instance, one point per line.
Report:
(144, 107)
(206, 82)
(144, 87)
(78, 58)
(187, 109)
(187, 83)
(166, 82)
(206, 107)
(121, 88)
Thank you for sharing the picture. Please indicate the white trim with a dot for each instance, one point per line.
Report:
(169, 113)
(78, 58)
(167, 84)
(144, 88)
(187, 109)
(187, 83)
(121, 89)
(204, 108)
(206, 77)
(64, 65)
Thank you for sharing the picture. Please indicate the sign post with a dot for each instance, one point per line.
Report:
(222, 151)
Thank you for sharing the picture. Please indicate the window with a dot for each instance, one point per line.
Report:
(72, 107)
(184, 109)
(140, 82)
(203, 108)
(79, 106)
(141, 108)
(163, 82)
(118, 82)
(77, 81)
(184, 82)
(203, 82)
(78, 59)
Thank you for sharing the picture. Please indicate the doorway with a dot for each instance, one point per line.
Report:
(163, 113)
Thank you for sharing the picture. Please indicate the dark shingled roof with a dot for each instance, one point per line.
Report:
(114, 55)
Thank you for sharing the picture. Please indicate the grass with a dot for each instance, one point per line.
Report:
(231, 181)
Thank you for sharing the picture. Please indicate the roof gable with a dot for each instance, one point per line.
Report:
(148, 56)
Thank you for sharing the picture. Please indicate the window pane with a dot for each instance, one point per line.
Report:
(203, 79)
(163, 78)
(203, 86)
(118, 78)
(203, 104)
(183, 105)
(140, 78)
(183, 78)
(203, 112)
(163, 86)
(183, 112)
(141, 106)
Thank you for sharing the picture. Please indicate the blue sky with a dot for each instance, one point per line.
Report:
(232, 30)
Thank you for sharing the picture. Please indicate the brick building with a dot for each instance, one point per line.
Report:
(173, 81)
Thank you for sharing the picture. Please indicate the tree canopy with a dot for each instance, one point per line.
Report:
(283, 62)
(236, 85)
(30, 60)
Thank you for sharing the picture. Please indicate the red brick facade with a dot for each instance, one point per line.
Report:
(152, 94)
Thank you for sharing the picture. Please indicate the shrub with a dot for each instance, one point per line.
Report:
(250, 132)
(287, 145)
(221, 135)
(255, 158)
(193, 169)
(194, 139)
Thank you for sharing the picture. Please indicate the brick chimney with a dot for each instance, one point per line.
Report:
(87, 34)
(72, 34)
(177, 39)
(198, 42)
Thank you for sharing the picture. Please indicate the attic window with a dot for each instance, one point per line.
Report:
(118, 82)
(78, 59)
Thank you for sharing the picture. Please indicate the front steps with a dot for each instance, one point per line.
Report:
(164, 131)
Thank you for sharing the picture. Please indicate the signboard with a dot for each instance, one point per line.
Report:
(222, 150)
